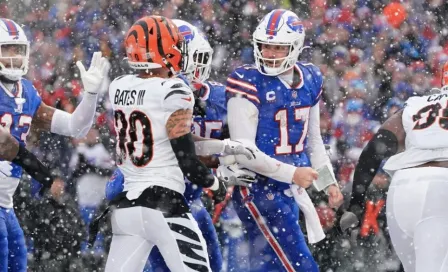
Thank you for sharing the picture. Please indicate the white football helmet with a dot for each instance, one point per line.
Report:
(278, 27)
(197, 66)
(12, 35)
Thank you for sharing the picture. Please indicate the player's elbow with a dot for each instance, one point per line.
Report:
(81, 133)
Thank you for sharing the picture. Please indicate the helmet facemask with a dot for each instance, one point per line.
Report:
(201, 65)
(276, 66)
(14, 58)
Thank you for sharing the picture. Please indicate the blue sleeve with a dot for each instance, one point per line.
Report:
(318, 82)
(241, 83)
(115, 185)
(218, 96)
(33, 95)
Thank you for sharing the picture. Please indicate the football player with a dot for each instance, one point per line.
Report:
(23, 107)
(153, 118)
(273, 107)
(415, 139)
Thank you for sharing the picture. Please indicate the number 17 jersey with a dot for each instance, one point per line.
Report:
(142, 107)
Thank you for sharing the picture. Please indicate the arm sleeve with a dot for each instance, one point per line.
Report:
(237, 85)
(243, 121)
(189, 163)
(78, 123)
(384, 144)
(31, 164)
(315, 145)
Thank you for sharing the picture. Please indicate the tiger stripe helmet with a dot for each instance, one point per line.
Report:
(155, 42)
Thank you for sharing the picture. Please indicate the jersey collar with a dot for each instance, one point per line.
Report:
(297, 73)
(17, 87)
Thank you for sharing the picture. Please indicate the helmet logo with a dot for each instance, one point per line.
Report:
(11, 27)
(295, 24)
(186, 32)
(274, 22)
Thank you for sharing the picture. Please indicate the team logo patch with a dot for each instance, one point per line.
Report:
(270, 196)
(295, 24)
(186, 32)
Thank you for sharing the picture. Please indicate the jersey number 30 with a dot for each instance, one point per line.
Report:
(127, 138)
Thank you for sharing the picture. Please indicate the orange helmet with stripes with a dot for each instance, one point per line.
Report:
(154, 42)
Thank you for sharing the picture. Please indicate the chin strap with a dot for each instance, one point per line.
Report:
(7, 80)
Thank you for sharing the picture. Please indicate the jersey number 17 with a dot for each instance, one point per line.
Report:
(285, 147)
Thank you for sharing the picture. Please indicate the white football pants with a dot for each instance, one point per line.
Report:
(417, 216)
(137, 229)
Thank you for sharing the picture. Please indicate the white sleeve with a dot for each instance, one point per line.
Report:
(315, 145)
(78, 123)
(242, 118)
(178, 96)
(209, 147)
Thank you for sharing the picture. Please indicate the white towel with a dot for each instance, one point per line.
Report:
(313, 226)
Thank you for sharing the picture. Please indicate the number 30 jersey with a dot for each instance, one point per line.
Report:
(142, 107)
(425, 121)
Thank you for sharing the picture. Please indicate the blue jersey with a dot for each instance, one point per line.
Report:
(283, 109)
(17, 109)
(208, 121)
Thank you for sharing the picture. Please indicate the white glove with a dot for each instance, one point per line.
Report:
(5, 169)
(232, 175)
(92, 78)
(237, 148)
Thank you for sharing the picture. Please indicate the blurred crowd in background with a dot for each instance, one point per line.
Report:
(374, 54)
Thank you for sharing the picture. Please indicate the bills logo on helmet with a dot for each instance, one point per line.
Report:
(186, 32)
(11, 27)
(295, 24)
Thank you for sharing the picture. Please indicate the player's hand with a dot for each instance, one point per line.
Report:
(219, 195)
(237, 148)
(304, 176)
(233, 175)
(335, 198)
(5, 169)
(92, 78)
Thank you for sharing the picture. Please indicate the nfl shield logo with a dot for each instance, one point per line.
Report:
(294, 94)
(270, 196)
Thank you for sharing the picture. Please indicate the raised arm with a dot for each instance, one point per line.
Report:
(78, 123)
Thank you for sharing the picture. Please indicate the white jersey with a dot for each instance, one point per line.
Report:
(425, 121)
(142, 107)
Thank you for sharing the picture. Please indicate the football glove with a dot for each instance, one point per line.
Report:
(219, 195)
(237, 148)
(92, 78)
(232, 175)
